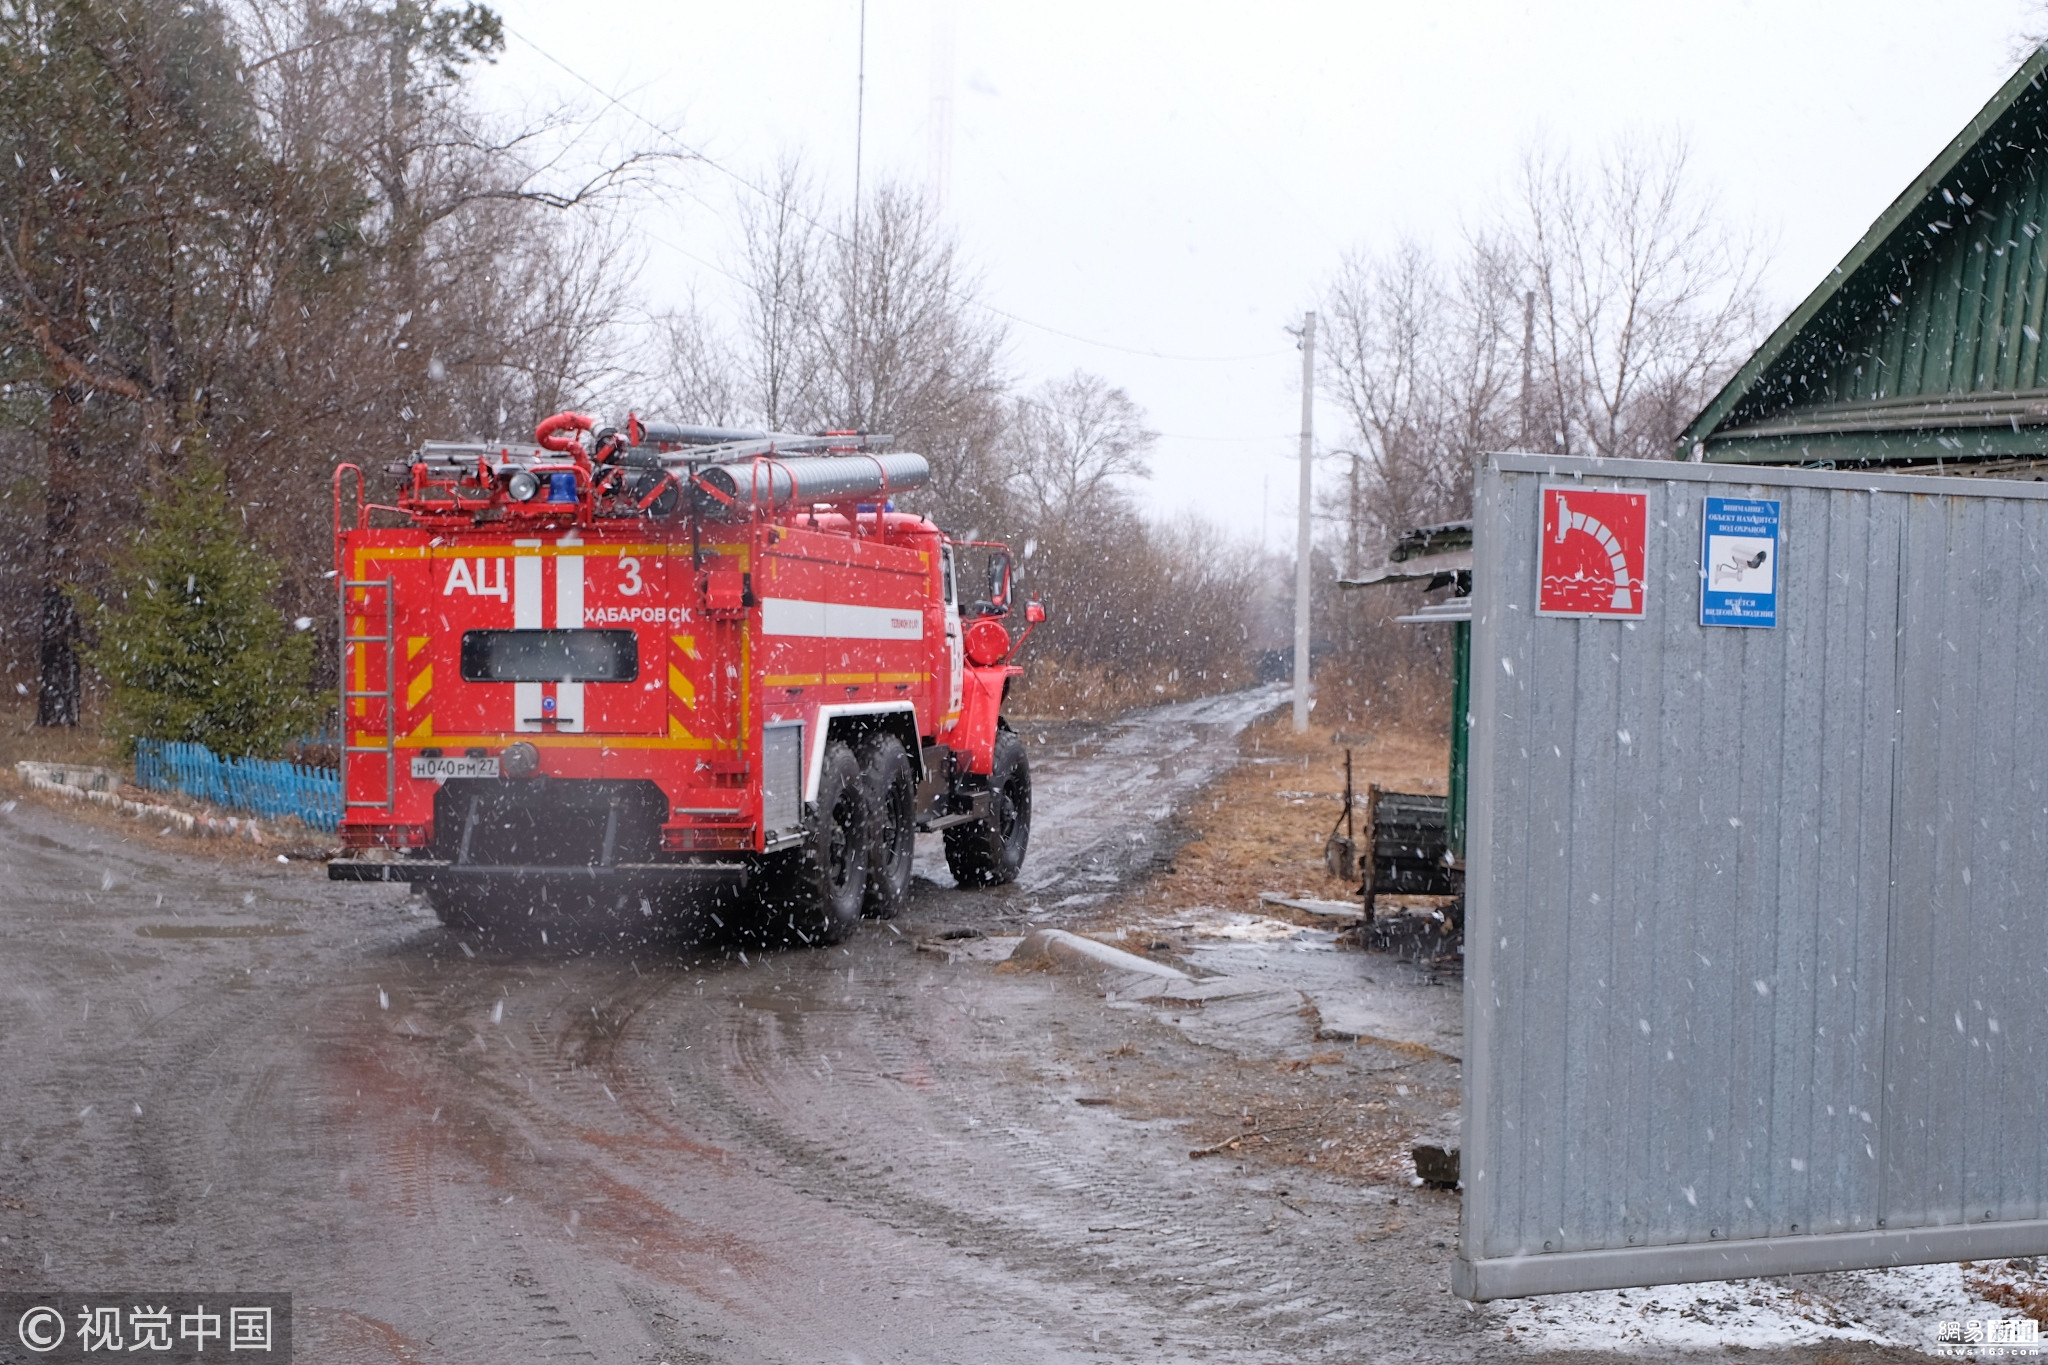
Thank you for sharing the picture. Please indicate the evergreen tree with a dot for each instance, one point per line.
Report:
(132, 186)
(190, 638)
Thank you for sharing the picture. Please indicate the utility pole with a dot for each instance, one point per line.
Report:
(860, 115)
(1351, 546)
(857, 414)
(1302, 567)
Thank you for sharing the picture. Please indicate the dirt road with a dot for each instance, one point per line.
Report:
(225, 1075)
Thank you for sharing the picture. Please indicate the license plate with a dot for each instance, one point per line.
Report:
(454, 767)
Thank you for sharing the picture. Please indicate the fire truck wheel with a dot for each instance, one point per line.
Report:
(892, 825)
(990, 852)
(819, 899)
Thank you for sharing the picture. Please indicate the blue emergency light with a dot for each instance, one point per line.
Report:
(562, 487)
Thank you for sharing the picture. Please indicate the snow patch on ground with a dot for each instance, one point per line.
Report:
(1249, 929)
(1899, 1307)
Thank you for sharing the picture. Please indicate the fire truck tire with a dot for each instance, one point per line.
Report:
(814, 896)
(892, 825)
(990, 852)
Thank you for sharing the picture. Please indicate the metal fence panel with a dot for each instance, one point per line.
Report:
(1757, 949)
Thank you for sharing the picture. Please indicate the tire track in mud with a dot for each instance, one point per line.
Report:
(486, 1126)
(590, 1047)
(1041, 1223)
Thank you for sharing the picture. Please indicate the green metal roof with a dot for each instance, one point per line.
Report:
(1925, 343)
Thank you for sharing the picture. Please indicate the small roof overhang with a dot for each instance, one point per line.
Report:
(1413, 570)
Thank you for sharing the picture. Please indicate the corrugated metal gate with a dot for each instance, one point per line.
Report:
(1757, 956)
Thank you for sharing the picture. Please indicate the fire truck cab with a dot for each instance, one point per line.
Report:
(651, 670)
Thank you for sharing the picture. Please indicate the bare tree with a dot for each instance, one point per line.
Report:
(277, 229)
(782, 237)
(883, 334)
(1593, 316)
(1423, 363)
(1640, 301)
(1643, 295)
(902, 341)
(132, 195)
(1072, 443)
(696, 377)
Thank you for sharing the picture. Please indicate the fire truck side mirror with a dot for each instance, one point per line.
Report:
(999, 580)
(1034, 611)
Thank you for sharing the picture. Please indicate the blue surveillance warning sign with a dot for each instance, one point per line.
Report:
(1739, 563)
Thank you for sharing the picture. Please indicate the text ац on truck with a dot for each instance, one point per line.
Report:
(645, 669)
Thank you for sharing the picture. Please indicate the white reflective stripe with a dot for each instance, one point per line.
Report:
(785, 616)
(822, 731)
(526, 603)
(569, 707)
(526, 615)
(569, 589)
(839, 621)
(526, 703)
(569, 616)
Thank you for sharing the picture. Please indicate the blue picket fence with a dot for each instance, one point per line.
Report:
(268, 788)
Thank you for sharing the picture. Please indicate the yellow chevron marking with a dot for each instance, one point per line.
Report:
(681, 686)
(419, 687)
(422, 732)
(686, 643)
(413, 645)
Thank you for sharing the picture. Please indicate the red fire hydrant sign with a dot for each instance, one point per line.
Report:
(1593, 552)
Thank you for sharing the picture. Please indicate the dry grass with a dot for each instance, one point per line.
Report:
(2021, 1285)
(21, 738)
(1262, 825)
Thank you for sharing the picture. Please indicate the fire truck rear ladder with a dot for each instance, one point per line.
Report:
(388, 693)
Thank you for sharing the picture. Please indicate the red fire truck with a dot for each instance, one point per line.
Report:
(650, 669)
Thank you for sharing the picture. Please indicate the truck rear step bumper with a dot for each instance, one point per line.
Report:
(617, 876)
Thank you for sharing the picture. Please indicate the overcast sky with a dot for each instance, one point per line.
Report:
(1179, 179)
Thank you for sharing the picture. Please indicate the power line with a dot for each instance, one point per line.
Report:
(698, 154)
(1266, 439)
